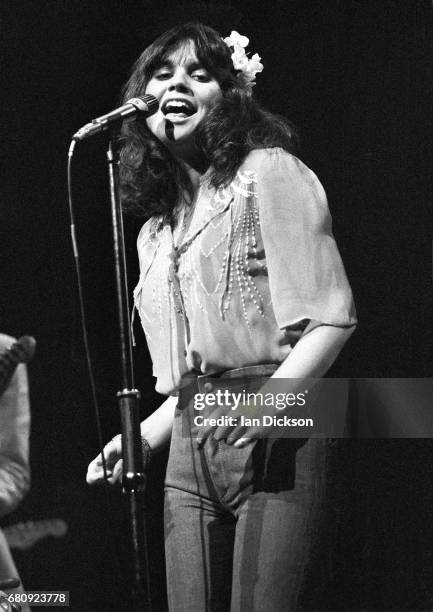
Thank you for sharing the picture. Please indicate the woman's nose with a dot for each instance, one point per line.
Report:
(179, 82)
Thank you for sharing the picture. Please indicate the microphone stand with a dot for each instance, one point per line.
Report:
(134, 478)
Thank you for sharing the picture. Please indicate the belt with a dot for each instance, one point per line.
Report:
(206, 382)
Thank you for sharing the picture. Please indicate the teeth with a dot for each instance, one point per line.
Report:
(178, 106)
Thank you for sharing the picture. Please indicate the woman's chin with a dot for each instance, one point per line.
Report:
(178, 138)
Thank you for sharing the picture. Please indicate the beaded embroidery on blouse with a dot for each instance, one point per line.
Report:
(218, 258)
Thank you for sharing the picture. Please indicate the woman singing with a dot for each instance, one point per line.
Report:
(240, 280)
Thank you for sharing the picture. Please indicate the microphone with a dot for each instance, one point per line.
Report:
(147, 105)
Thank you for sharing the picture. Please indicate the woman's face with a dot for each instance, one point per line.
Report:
(186, 92)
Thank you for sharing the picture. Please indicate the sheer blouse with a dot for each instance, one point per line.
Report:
(257, 267)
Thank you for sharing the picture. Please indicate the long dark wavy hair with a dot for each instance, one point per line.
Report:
(152, 180)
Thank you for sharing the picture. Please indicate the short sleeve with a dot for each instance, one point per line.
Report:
(307, 279)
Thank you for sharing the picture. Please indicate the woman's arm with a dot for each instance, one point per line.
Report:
(314, 353)
(312, 356)
(157, 431)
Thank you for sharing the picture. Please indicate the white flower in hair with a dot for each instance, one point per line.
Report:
(236, 39)
(248, 67)
(254, 66)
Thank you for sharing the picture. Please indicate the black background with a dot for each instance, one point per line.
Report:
(356, 79)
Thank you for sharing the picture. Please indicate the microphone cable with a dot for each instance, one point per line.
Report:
(84, 328)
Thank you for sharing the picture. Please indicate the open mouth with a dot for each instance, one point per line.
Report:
(179, 108)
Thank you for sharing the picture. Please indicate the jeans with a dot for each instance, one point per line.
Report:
(241, 525)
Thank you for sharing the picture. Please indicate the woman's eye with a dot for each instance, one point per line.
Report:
(162, 75)
(200, 76)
